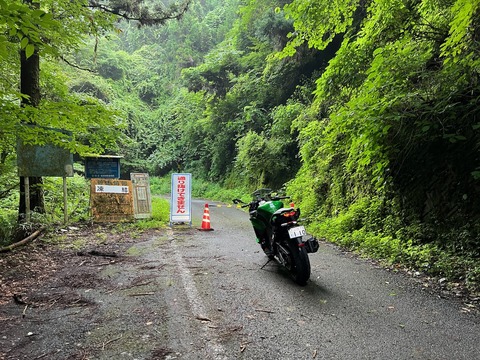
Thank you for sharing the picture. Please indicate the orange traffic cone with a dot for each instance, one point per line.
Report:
(206, 220)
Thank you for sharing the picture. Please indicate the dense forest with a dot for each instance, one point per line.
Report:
(365, 112)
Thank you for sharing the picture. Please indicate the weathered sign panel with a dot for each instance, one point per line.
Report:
(44, 160)
(111, 200)
(142, 202)
(181, 198)
(102, 167)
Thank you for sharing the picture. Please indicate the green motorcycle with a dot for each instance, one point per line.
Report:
(279, 233)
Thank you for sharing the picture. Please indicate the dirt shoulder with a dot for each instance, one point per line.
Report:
(88, 293)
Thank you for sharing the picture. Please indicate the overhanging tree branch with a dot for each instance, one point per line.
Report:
(134, 11)
(76, 66)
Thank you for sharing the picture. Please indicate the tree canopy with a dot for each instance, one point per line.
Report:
(57, 29)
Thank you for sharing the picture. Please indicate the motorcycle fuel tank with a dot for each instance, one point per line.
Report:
(260, 218)
(266, 210)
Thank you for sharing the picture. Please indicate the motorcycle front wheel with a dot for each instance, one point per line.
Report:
(299, 264)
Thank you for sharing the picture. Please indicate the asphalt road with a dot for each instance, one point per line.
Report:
(350, 309)
(187, 294)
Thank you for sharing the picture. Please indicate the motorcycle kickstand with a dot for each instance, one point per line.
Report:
(266, 264)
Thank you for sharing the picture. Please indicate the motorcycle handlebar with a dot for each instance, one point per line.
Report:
(238, 201)
(280, 197)
(266, 198)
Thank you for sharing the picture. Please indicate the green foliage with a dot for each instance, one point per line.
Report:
(139, 70)
(317, 22)
(388, 146)
(78, 205)
(42, 28)
(36, 27)
(384, 102)
(367, 110)
(375, 229)
(265, 160)
(8, 220)
(160, 185)
(207, 190)
(8, 197)
(464, 22)
(251, 158)
(473, 276)
(160, 217)
(78, 199)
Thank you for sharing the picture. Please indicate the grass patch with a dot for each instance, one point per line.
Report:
(133, 251)
(160, 217)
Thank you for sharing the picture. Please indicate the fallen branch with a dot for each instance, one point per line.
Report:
(96, 253)
(202, 318)
(110, 341)
(24, 311)
(142, 294)
(265, 311)
(22, 242)
(41, 356)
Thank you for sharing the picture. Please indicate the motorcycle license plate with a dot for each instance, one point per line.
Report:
(296, 232)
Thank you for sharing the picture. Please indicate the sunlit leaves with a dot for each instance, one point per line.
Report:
(53, 29)
(33, 27)
(318, 22)
(458, 45)
(389, 89)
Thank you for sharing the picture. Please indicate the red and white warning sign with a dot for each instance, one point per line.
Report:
(181, 198)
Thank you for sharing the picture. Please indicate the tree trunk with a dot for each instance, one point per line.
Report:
(30, 86)
(30, 78)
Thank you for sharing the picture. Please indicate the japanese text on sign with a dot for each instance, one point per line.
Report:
(112, 189)
(180, 207)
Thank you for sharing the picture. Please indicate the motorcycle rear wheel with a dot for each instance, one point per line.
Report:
(300, 264)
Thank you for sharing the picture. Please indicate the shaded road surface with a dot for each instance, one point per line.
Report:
(187, 294)
(349, 309)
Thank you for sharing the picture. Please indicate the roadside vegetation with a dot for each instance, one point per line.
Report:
(366, 112)
(453, 270)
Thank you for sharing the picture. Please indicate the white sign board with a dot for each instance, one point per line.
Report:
(111, 189)
(181, 198)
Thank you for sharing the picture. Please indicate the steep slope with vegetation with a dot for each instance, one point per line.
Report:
(367, 111)
(390, 144)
